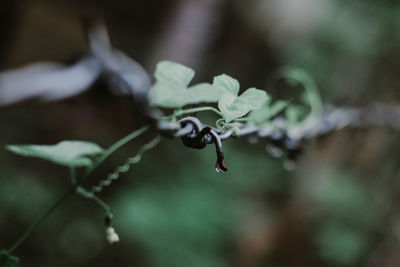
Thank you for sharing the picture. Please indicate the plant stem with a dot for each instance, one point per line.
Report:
(193, 110)
(241, 120)
(40, 219)
(73, 175)
(73, 189)
(90, 195)
(103, 204)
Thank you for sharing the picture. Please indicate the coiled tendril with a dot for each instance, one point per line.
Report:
(126, 166)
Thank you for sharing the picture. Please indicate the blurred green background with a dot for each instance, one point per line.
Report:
(338, 207)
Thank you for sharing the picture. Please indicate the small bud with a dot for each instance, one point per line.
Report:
(111, 235)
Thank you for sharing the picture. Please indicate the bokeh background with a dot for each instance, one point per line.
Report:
(338, 207)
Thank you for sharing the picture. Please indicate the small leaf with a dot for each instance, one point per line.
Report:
(267, 111)
(227, 83)
(232, 106)
(173, 73)
(171, 87)
(236, 107)
(7, 260)
(202, 92)
(67, 153)
(254, 97)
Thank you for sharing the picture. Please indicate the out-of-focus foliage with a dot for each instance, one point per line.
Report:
(350, 213)
(345, 45)
(194, 211)
(67, 153)
(339, 207)
(8, 260)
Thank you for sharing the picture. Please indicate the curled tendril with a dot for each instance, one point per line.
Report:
(221, 123)
(126, 166)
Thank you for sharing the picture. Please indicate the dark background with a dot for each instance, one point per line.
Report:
(339, 207)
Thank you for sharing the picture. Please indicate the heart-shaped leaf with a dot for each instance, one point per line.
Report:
(171, 87)
(7, 260)
(227, 84)
(233, 106)
(66, 153)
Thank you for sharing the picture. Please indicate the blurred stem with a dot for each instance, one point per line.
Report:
(29, 231)
(241, 120)
(73, 175)
(77, 188)
(90, 195)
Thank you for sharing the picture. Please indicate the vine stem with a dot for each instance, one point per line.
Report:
(90, 195)
(39, 220)
(73, 189)
(73, 175)
(193, 110)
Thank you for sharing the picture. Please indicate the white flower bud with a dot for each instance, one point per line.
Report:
(111, 235)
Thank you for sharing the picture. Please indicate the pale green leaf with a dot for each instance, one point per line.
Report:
(173, 73)
(267, 111)
(8, 260)
(171, 87)
(67, 153)
(262, 114)
(235, 107)
(200, 93)
(227, 83)
(254, 97)
(164, 95)
(230, 107)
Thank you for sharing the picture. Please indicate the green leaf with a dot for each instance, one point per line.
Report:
(230, 106)
(267, 111)
(173, 73)
(67, 153)
(254, 97)
(227, 84)
(202, 92)
(233, 106)
(7, 260)
(171, 87)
